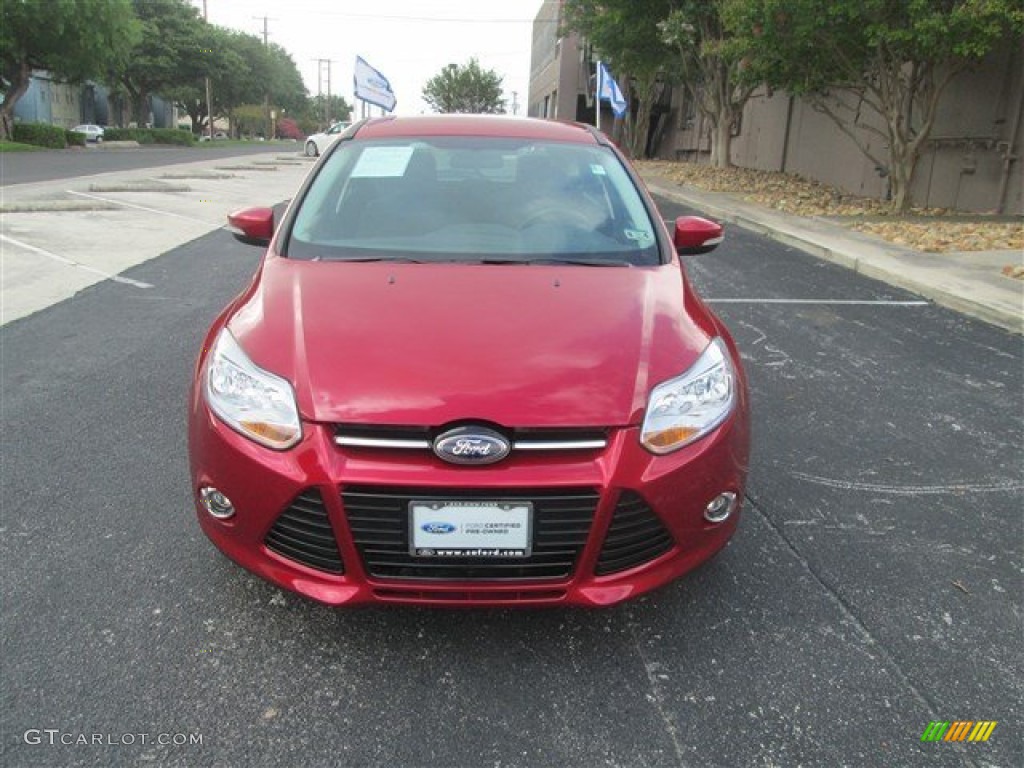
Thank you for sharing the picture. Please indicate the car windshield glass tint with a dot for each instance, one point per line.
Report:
(479, 200)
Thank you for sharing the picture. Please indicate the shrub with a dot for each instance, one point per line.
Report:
(74, 139)
(40, 134)
(150, 136)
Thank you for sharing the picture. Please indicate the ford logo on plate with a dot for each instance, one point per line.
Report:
(438, 528)
(472, 445)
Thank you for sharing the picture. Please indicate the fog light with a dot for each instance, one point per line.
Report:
(216, 503)
(720, 508)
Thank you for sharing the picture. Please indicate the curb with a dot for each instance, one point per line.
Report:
(845, 248)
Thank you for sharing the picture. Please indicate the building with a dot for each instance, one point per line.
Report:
(53, 102)
(972, 161)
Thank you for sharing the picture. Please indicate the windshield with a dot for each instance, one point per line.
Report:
(474, 199)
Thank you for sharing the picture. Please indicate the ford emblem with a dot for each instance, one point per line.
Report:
(472, 445)
(438, 528)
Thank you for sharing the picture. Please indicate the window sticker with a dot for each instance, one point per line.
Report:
(598, 170)
(382, 162)
(638, 235)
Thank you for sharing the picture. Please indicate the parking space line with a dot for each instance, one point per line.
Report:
(839, 302)
(141, 207)
(73, 263)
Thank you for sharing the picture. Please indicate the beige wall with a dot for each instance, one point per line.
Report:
(962, 167)
(554, 67)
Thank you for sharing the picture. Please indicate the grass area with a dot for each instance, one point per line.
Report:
(15, 146)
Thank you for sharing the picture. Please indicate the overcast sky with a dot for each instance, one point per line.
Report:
(409, 41)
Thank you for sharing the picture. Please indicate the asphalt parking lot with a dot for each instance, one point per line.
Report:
(874, 586)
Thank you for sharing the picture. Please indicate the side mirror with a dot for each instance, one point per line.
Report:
(252, 226)
(695, 235)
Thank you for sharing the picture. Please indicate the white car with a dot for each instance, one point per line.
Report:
(318, 142)
(92, 132)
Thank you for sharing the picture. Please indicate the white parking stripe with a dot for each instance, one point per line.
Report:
(840, 302)
(72, 263)
(139, 207)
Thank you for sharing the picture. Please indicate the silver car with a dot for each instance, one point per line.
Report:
(318, 142)
(92, 132)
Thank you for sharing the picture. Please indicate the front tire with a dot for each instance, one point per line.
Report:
(311, 149)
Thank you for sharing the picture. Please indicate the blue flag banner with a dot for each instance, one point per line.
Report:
(608, 90)
(372, 87)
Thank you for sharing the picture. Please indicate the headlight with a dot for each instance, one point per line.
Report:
(686, 408)
(248, 399)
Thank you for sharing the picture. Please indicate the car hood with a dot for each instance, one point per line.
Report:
(428, 344)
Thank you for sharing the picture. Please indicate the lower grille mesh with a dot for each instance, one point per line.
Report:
(303, 533)
(635, 536)
(379, 520)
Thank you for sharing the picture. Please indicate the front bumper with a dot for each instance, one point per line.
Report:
(646, 526)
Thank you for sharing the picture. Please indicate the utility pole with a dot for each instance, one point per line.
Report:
(320, 87)
(515, 102)
(209, 100)
(268, 129)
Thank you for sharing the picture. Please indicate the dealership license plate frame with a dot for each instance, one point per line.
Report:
(440, 507)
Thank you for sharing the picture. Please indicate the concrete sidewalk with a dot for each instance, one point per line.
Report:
(59, 237)
(970, 283)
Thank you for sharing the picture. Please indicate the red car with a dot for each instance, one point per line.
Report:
(470, 369)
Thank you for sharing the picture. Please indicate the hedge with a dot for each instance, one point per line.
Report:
(41, 134)
(74, 139)
(150, 136)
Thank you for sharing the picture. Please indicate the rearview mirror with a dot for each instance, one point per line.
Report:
(252, 226)
(695, 235)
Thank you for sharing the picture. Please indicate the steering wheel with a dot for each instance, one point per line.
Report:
(568, 216)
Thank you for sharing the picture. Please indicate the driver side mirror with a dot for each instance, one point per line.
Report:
(252, 226)
(695, 235)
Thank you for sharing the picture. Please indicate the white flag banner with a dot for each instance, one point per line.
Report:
(372, 87)
(608, 90)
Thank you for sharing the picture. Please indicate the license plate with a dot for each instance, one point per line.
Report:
(470, 528)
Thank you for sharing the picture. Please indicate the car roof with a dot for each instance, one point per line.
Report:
(499, 126)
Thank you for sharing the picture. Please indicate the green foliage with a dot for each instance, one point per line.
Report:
(712, 67)
(72, 39)
(624, 33)
(40, 135)
(466, 89)
(74, 139)
(168, 53)
(338, 109)
(892, 60)
(150, 136)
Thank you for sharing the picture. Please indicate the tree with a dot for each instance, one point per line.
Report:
(321, 114)
(465, 89)
(168, 53)
(884, 59)
(711, 66)
(72, 39)
(625, 34)
(216, 58)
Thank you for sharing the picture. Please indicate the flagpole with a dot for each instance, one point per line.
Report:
(597, 99)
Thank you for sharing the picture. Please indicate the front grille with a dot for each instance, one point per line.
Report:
(517, 597)
(635, 536)
(379, 519)
(303, 533)
(373, 436)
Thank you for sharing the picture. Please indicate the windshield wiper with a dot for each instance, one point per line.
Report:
(369, 259)
(584, 262)
(567, 261)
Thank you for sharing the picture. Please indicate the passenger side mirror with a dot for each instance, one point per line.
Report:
(252, 226)
(695, 235)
